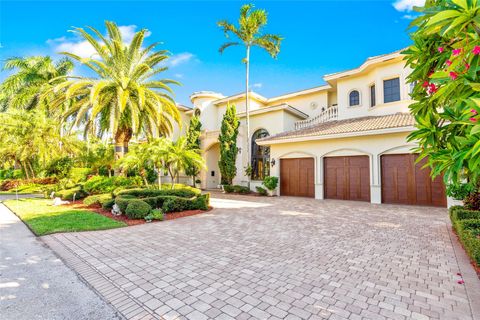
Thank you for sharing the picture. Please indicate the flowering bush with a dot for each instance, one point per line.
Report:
(445, 60)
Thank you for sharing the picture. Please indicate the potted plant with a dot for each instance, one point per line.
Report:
(198, 183)
(271, 184)
(458, 192)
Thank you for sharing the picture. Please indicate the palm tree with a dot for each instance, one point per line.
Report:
(125, 99)
(136, 159)
(158, 154)
(179, 158)
(249, 34)
(32, 77)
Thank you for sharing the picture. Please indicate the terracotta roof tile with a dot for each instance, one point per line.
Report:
(397, 120)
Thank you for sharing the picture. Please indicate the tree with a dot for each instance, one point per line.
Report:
(179, 157)
(249, 34)
(193, 143)
(445, 60)
(137, 158)
(124, 99)
(31, 138)
(32, 77)
(158, 153)
(228, 144)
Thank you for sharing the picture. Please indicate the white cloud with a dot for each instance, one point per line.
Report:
(83, 48)
(181, 58)
(409, 17)
(178, 75)
(407, 5)
(257, 85)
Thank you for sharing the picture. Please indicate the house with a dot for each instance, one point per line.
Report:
(346, 139)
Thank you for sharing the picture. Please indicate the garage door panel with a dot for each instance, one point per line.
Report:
(347, 178)
(405, 182)
(297, 177)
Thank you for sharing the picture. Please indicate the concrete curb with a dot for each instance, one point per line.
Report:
(472, 282)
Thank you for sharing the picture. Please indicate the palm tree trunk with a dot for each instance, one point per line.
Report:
(31, 168)
(122, 137)
(247, 109)
(27, 175)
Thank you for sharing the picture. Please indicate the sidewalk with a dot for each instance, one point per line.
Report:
(35, 284)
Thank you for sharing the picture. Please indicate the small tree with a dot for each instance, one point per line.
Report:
(193, 144)
(158, 154)
(136, 159)
(228, 144)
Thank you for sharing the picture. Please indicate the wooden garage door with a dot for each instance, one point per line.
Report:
(297, 177)
(405, 182)
(347, 178)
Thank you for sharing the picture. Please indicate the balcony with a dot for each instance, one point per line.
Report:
(330, 114)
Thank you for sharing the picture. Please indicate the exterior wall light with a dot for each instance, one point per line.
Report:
(272, 162)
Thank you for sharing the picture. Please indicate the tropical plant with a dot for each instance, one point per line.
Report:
(445, 60)
(179, 157)
(193, 143)
(125, 99)
(31, 138)
(228, 145)
(270, 182)
(158, 154)
(32, 77)
(249, 34)
(138, 158)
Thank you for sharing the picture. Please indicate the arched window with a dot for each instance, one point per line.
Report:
(354, 98)
(260, 156)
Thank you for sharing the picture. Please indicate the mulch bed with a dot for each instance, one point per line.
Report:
(133, 222)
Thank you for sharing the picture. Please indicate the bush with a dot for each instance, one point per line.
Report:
(80, 174)
(236, 188)
(137, 209)
(176, 204)
(466, 223)
(270, 183)
(68, 194)
(100, 184)
(228, 188)
(13, 183)
(108, 205)
(97, 199)
(60, 167)
(472, 201)
(143, 193)
(157, 214)
(261, 191)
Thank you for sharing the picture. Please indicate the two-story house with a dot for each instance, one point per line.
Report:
(346, 139)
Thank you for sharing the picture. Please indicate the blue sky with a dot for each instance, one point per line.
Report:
(321, 37)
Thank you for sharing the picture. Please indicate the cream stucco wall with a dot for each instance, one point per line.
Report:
(372, 145)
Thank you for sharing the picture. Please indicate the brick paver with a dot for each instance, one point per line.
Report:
(277, 258)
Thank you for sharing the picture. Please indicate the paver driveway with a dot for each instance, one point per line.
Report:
(281, 258)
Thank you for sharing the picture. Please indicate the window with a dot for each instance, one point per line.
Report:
(391, 90)
(260, 156)
(372, 96)
(354, 98)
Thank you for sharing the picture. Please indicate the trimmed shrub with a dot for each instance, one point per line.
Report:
(97, 199)
(241, 189)
(228, 188)
(80, 174)
(261, 191)
(144, 193)
(68, 194)
(13, 183)
(270, 182)
(176, 204)
(100, 184)
(157, 214)
(466, 224)
(122, 203)
(137, 209)
(472, 201)
(108, 205)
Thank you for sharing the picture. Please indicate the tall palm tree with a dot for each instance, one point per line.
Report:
(126, 98)
(32, 77)
(249, 34)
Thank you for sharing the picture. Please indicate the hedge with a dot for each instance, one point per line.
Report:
(166, 203)
(145, 193)
(100, 184)
(9, 184)
(466, 224)
(97, 199)
(236, 188)
(68, 194)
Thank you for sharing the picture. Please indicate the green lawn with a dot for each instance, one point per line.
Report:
(43, 218)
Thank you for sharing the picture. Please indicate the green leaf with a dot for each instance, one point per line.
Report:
(442, 15)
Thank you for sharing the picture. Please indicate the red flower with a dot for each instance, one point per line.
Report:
(453, 75)
(440, 49)
(425, 84)
(474, 112)
(456, 52)
(448, 63)
(476, 50)
(467, 66)
(473, 119)
(460, 282)
(432, 88)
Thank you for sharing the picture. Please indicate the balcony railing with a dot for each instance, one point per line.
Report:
(329, 114)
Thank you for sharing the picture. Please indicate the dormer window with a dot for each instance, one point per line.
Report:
(354, 98)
